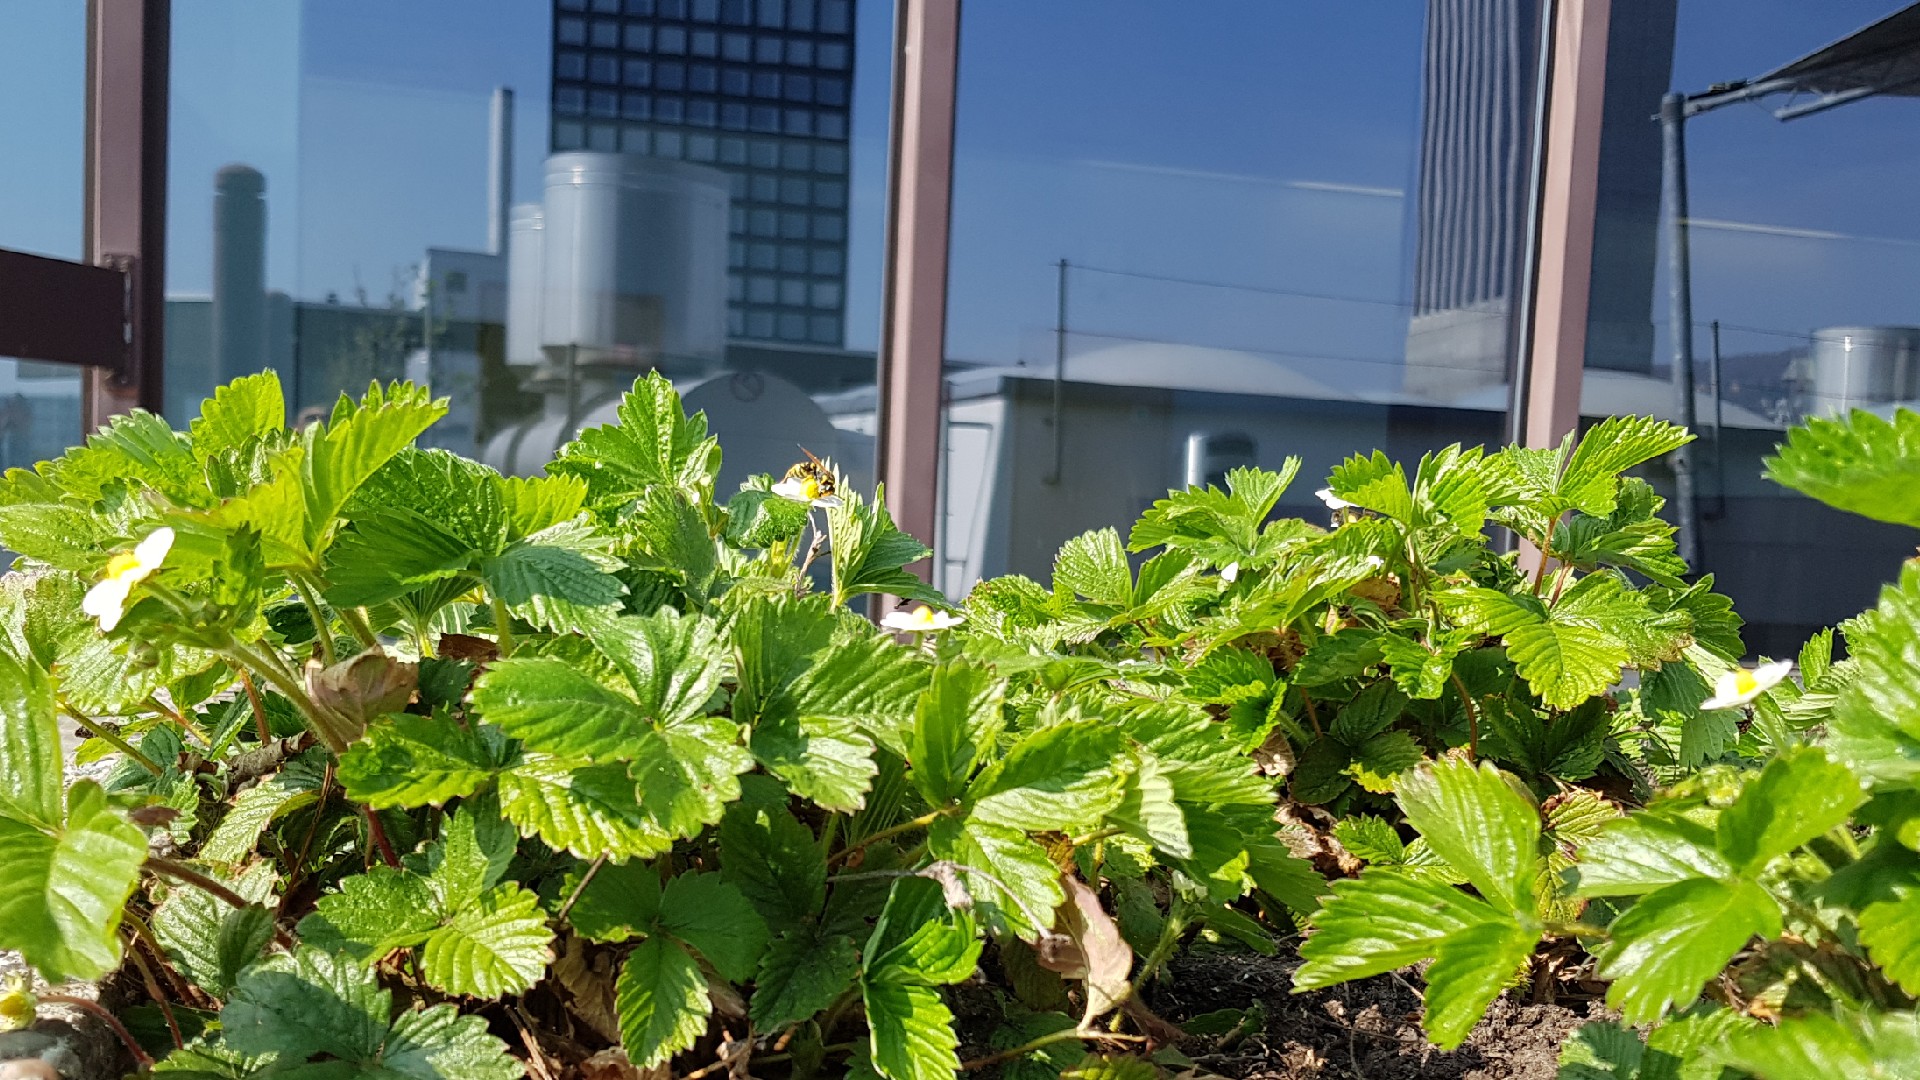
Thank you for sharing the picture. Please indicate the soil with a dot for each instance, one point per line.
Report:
(1368, 1029)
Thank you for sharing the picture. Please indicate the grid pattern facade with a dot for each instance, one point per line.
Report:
(759, 89)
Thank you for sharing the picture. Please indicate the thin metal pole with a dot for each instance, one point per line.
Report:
(1673, 119)
(1059, 379)
(1719, 416)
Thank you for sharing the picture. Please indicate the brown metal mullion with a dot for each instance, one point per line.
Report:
(914, 303)
(128, 48)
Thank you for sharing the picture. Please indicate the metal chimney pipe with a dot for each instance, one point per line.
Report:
(500, 170)
(239, 272)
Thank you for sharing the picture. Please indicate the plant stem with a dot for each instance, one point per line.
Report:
(278, 677)
(356, 620)
(1045, 1041)
(378, 834)
(322, 626)
(260, 725)
(502, 626)
(153, 991)
(140, 1056)
(585, 880)
(180, 718)
(145, 933)
(112, 738)
(1473, 715)
(920, 822)
(183, 872)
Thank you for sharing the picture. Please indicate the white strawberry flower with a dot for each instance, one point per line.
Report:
(921, 620)
(107, 600)
(1741, 685)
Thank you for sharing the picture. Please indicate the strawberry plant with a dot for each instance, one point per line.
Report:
(421, 770)
(1754, 918)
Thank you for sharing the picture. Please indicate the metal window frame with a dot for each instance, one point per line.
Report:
(128, 58)
(913, 330)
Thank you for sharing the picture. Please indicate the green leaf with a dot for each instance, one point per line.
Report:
(62, 893)
(1590, 482)
(587, 810)
(870, 552)
(1666, 947)
(1602, 1051)
(1221, 527)
(392, 553)
(1111, 1067)
(685, 776)
(554, 707)
(1370, 838)
(308, 1004)
(1384, 920)
(1876, 715)
(234, 839)
(911, 1031)
(1094, 565)
(471, 855)
(1059, 778)
(1379, 762)
(1648, 850)
(210, 940)
(918, 939)
(1150, 809)
(1371, 712)
(652, 444)
(551, 577)
(1565, 663)
(708, 913)
(345, 453)
(1469, 970)
(956, 722)
(30, 756)
(373, 914)
(1006, 872)
(494, 946)
(760, 519)
(1374, 483)
(668, 659)
(1860, 463)
(622, 902)
(1890, 930)
(1481, 823)
(1871, 1046)
(802, 972)
(671, 536)
(407, 760)
(250, 407)
(774, 861)
(661, 998)
(1798, 796)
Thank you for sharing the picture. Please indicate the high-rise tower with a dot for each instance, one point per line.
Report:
(757, 88)
(1479, 89)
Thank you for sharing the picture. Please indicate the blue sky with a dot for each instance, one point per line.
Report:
(1265, 142)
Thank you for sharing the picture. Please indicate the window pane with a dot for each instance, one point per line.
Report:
(1239, 189)
(42, 143)
(1804, 264)
(361, 130)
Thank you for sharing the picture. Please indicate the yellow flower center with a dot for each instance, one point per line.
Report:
(810, 488)
(1744, 683)
(122, 564)
(922, 616)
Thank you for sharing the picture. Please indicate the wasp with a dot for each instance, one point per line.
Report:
(813, 476)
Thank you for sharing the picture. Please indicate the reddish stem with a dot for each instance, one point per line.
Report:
(140, 1056)
(379, 834)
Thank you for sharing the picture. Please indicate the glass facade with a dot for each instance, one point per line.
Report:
(525, 206)
(42, 132)
(760, 89)
(1801, 271)
(1183, 238)
(1190, 238)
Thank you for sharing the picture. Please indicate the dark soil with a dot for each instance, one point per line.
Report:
(1369, 1029)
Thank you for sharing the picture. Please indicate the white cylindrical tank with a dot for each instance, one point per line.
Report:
(635, 262)
(1862, 366)
(526, 279)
